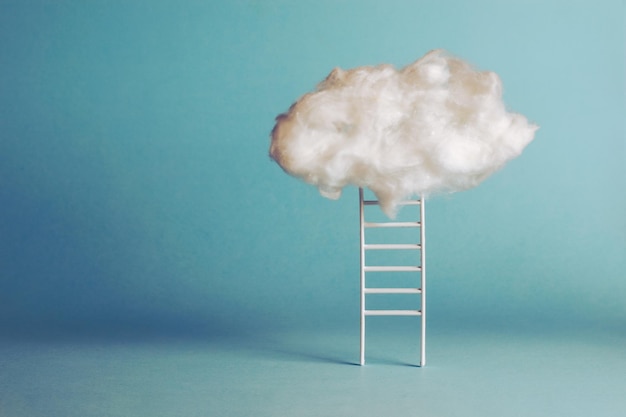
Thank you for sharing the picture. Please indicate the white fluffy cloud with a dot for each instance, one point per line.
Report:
(437, 125)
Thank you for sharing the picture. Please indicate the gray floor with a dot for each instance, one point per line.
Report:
(313, 373)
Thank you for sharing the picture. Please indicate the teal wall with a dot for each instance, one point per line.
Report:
(136, 189)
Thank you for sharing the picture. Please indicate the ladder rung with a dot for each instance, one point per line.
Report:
(402, 203)
(392, 246)
(392, 268)
(393, 312)
(393, 224)
(392, 290)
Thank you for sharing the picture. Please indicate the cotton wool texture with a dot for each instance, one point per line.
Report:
(435, 126)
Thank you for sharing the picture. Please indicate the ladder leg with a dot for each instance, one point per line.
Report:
(423, 283)
(362, 239)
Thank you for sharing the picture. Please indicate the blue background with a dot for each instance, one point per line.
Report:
(138, 203)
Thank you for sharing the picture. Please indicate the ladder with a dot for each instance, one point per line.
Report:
(420, 269)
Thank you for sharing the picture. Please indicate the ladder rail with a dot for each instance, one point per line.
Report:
(421, 268)
(362, 238)
(423, 283)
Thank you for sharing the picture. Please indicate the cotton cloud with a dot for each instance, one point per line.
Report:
(437, 125)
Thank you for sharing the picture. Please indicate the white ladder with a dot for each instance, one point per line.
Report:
(421, 269)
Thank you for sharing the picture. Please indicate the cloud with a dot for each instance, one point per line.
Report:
(437, 125)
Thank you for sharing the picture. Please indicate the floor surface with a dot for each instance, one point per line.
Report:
(314, 373)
